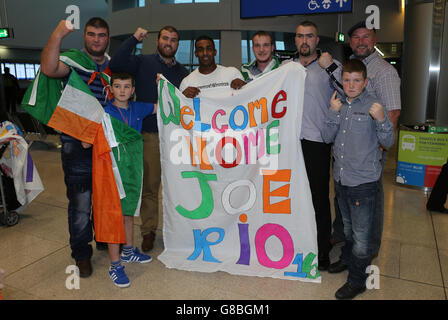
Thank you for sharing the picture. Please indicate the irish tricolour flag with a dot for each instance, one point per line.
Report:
(117, 163)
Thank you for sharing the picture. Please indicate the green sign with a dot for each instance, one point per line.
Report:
(423, 148)
(437, 129)
(4, 33)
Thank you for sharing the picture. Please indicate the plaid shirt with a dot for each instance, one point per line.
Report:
(356, 139)
(384, 82)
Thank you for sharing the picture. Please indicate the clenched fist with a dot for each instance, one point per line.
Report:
(335, 103)
(377, 112)
(140, 34)
(63, 29)
(325, 60)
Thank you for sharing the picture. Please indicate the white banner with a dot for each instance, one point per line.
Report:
(236, 196)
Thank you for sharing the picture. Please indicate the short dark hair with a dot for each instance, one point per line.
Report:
(355, 65)
(204, 37)
(97, 22)
(169, 29)
(262, 33)
(122, 76)
(308, 23)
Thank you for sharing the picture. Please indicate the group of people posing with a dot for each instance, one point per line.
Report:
(351, 107)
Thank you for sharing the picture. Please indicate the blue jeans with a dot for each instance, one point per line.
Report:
(77, 166)
(338, 227)
(358, 210)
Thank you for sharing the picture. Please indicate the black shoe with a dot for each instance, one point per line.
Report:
(441, 210)
(85, 268)
(347, 292)
(324, 263)
(101, 246)
(337, 267)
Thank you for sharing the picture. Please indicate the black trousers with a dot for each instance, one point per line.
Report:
(317, 163)
(439, 192)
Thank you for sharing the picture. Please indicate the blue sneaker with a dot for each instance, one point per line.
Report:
(119, 277)
(136, 256)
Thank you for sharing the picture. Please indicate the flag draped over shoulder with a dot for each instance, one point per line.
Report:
(117, 161)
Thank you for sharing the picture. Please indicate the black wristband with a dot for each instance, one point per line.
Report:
(331, 68)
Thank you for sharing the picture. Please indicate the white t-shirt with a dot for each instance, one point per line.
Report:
(221, 77)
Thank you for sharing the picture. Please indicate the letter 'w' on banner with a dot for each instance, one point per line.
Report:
(238, 200)
(117, 163)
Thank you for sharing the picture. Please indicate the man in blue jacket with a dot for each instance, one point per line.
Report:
(144, 68)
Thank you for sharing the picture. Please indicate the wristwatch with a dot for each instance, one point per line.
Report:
(331, 68)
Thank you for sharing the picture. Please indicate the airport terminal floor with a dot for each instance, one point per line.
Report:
(413, 261)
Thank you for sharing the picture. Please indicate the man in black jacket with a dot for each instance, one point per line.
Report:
(437, 199)
(144, 68)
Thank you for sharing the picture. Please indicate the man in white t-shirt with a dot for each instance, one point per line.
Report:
(209, 75)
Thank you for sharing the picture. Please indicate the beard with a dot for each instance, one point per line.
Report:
(305, 50)
(93, 52)
(164, 53)
(358, 54)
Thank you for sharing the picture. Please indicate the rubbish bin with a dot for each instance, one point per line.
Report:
(422, 151)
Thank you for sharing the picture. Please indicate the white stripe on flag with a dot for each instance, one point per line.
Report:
(81, 104)
(139, 204)
(33, 95)
(110, 137)
(73, 63)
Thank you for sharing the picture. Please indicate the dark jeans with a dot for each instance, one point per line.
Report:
(77, 166)
(317, 162)
(437, 199)
(338, 226)
(11, 100)
(358, 210)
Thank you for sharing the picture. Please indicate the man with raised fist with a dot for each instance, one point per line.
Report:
(76, 156)
(144, 68)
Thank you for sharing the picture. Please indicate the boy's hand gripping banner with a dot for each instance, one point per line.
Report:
(236, 196)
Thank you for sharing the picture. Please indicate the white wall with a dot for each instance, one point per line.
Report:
(34, 20)
(225, 16)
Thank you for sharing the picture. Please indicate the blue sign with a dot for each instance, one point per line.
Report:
(269, 8)
(411, 174)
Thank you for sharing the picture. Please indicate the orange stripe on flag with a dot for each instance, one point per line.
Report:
(108, 217)
(74, 125)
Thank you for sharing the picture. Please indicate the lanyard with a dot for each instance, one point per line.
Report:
(125, 120)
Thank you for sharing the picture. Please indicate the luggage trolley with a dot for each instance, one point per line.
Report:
(7, 217)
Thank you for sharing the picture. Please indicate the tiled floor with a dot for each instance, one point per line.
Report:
(413, 260)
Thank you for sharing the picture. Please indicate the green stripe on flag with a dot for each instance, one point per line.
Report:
(129, 158)
(80, 58)
(76, 82)
(47, 93)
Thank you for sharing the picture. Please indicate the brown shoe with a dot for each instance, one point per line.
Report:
(334, 241)
(148, 241)
(85, 268)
